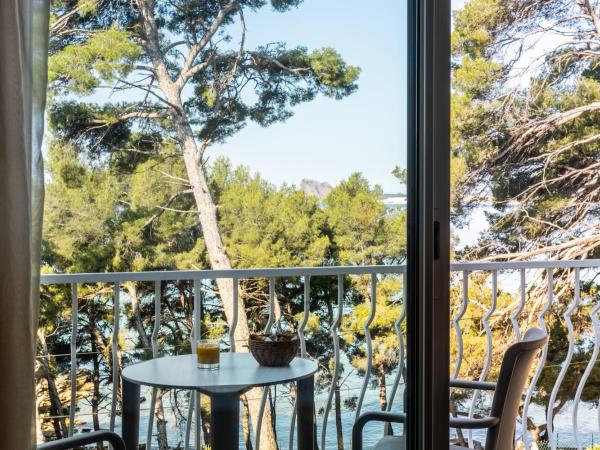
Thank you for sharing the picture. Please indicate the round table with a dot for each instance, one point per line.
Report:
(238, 373)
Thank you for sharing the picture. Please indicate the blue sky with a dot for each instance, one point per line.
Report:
(327, 140)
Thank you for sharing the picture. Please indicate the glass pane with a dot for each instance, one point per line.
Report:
(525, 140)
(221, 136)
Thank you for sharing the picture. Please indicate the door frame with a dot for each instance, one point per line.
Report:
(428, 246)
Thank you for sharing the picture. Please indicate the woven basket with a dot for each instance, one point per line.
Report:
(273, 353)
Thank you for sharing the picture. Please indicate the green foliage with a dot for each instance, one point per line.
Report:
(106, 56)
(110, 216)
(87, 7)
(384, 340)
(475, 25)
(474, 76)
(80, 211)
(401, 174)
(268, 227)
(284, 5)
(363, 232)
(333, 73)
(99, 219)
(105, 46)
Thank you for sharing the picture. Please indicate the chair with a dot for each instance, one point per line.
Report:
(508, 390)
(85, 439)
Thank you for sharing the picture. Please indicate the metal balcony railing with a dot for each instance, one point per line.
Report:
(461, 274)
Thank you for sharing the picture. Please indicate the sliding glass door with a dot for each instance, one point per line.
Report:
(296, 152)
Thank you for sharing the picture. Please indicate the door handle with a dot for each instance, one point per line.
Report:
(436, 240)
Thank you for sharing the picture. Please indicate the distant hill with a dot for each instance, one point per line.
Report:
(321, 189)
(316, 188)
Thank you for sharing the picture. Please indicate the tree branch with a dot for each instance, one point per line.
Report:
(165, 207)
(188, 68)
(528, 134)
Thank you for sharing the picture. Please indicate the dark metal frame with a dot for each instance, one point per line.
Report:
(428, 264)
(85, 439)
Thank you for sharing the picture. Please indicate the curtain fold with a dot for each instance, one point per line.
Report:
(23, 52)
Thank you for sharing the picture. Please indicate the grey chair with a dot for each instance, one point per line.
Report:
(85, 439)
(500, 424)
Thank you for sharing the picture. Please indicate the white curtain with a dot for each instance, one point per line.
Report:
(23, 55)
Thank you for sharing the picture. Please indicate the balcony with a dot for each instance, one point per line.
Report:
(492, 304)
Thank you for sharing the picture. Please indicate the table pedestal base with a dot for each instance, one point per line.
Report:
(305, 414)
(131, 414)
(224, 421)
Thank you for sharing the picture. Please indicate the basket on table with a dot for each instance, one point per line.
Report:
(273, 350)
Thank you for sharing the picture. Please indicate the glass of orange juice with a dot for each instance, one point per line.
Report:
(207, 353)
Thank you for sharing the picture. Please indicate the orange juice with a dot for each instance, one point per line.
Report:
(207, 353)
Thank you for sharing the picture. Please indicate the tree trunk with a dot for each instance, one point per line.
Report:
(97, 347)
(119, 384)
(246, 424)
(382, 390)
(96, 388)
(273, 411)
(207, 211)
(538, 433)
(338, 417)
(136, 317)
(56, 407)
(462, 442)
(205, 414)
(161, 422)
(39, 433)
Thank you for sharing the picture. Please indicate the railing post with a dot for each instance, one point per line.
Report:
(197, 336)
(593, 316)
(265, 394)
(115, 354)
(234, 319)
(154, 344)
(336, 354)
(514, 317)
(400, 337)
(543, 356)
(565, 364)
(301, 327)
(305, 315)
(368, 344)
(456, 322)
(194, 397)
(74, 334)
(488, 355)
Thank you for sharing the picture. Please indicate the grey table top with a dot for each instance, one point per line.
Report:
(238, 373)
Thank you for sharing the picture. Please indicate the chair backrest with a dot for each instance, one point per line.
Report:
(514, 371)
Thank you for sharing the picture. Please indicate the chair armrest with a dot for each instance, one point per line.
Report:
(472, 384)
(85, 439)
(473, 424)
(379, 416)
